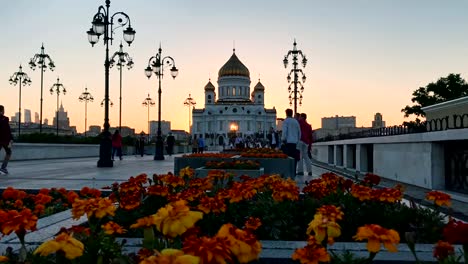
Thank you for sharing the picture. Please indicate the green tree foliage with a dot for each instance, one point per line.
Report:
(446, 88)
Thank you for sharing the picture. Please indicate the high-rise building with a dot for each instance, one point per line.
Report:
(36, 118)
(63, 120)
(165, 128)
(46, 121)
(338, 122)
(27, 116)
(378, 121)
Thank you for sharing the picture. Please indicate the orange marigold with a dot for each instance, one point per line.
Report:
(376, 235)
(285, 190)
(389, 195)
(313, 253)
(253, 223)
(241, 191)
(158, 190)
(332, 212)
(439, 198)
(443, 250)
(19, 222)
(111, 228)
(363, 193)
(210, 250)
(212, 205)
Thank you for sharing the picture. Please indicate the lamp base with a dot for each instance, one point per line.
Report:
(105, 151)
(159, 151)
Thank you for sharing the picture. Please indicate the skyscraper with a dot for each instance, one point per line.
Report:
(27, 116)
(36, 118)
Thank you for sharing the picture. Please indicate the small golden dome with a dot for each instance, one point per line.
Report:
(259, 86)
(234, 67)
(209, 86)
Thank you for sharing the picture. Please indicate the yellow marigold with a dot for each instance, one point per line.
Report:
(64, 242)
(323, 228)
(313, 253)
(363, 193)
(187, 172)
(331, 212)
(147, 221)
(113, 228)
(439, 198)
(4, 259)
(175, 218)
(243, 244)
(171, 256)
(375, 235)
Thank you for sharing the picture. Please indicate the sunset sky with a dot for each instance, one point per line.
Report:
(364, 56)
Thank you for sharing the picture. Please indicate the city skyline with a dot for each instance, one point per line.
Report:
(363, 57)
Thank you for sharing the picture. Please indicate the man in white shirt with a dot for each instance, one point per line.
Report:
(290, 136)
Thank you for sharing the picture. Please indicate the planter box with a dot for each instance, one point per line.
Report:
(202, 172)
(182, 162)
(284, 167)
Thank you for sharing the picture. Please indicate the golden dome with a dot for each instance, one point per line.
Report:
(234, 67)
(209, 86)
(259, 86)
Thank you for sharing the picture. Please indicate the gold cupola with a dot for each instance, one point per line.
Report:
(234, 67)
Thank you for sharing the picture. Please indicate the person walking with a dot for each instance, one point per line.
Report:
(194, 144)
(170, 140)
(304, 146)
(201, 144)
(117, 144)
(6, 139)
(273, 138)
(290, 136)
(141, 144)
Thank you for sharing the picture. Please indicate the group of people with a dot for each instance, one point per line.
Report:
(297, 140)
(198, 144)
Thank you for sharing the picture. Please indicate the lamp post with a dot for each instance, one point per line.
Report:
(103, 24)
(148, 102)
(190, 102)
(86, 97)
(57, 88)
(157, 64)
(111, 104)
(20, 78)
(43, 61)
(295, 92)
(123, 59)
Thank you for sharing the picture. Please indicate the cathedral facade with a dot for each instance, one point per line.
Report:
(232, 109)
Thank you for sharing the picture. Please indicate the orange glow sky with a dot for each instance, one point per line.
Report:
(364, 56)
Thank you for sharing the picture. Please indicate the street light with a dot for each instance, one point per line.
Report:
(23, 79)
(44, 61)
(148, 102)
(123, 59)
(190, 102)
(86, 97)
(57, 88)
(111, 104)
(294, 93)
(103, 24)
(156, 64)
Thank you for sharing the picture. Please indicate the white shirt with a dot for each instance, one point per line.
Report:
(291, 131)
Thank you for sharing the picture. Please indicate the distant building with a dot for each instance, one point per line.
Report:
(165, 128)
(15, 118)
(93, 131)
(180, 135)
(338, 122)
(63, 120)
(378, 122)
(124, 132)
(279, 124)
(27, 116)
(46, 121)
(36, 118)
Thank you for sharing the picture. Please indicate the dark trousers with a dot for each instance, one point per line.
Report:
(118, 150)
(291, 150)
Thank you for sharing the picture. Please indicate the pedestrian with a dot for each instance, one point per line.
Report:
(304, 146)
(6, 139)
(141, 144)
(201, 144)
(170, 140)
(194, 144)
(273, 138)
(290, 136)
(117, 144)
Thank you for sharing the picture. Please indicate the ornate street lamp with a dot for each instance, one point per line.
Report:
(57, 88)
(123, 59)
(157, 64)
(111, 104)
(86, 97)
(103, 24)
(189, 102)
(43, 61)
(148, 102)
(295, 92)
(20, 78)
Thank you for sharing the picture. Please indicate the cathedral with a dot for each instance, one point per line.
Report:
(232, 110)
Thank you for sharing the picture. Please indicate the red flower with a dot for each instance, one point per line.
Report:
(371, 179)
(456, 232)
(442, 250)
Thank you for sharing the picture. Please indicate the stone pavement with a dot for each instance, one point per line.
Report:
(79, 172)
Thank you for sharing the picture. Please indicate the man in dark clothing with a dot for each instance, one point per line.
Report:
(170, 143)
(6, 139)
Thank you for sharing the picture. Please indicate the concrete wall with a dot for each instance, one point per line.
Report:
(32, 151)
(417, 159)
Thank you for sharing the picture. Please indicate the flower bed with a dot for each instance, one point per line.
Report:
(263, 153)
(233, 165)
(214, 219)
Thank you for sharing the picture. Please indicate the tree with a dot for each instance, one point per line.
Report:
(451, 87)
